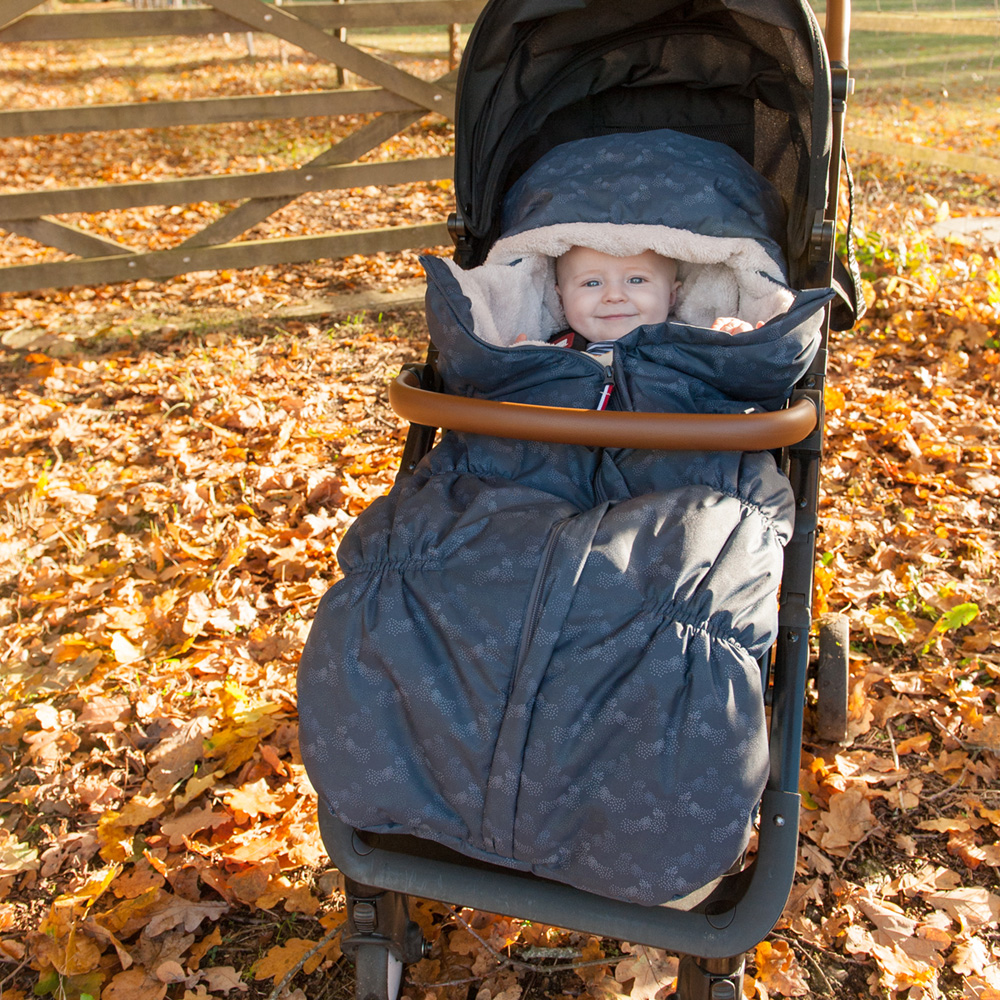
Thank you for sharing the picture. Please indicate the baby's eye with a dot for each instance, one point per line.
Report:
(636, 279)
(593, 283)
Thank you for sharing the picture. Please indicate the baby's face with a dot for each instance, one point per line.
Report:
(605, 297)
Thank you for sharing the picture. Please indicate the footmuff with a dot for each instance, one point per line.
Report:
(547, 656)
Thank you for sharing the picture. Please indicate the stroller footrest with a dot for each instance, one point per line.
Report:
(729, 921)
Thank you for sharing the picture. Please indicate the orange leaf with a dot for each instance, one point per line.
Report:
(281, 959)
(915, 744)
(778, 969)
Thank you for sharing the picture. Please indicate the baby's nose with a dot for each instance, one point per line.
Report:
(614, 292)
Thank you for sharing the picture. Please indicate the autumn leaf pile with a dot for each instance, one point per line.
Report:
(171, 518)
(175, 477)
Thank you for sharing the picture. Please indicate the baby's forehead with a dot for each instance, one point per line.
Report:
(579, 259)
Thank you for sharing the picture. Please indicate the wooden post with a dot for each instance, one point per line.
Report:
(341, 73)
(454, 45)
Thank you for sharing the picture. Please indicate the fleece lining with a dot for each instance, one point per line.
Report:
(514, 293)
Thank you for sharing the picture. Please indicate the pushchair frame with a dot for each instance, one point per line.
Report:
(712, 929)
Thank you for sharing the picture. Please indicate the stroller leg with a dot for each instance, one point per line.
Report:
(380, 937)
(710, 978)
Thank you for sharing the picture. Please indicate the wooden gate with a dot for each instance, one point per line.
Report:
(398, 98)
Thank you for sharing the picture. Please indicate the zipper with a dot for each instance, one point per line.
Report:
(500, 839)
(606, 391)
(608, 386)
(535, 602)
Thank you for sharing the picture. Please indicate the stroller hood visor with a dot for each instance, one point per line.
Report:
(535, 75)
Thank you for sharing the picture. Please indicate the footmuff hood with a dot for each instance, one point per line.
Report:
(684, 197)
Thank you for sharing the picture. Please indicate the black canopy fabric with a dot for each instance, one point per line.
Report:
(537, 73)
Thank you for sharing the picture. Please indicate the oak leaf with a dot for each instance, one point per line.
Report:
(223, 978)
(11, 951)
(250, 884)
(140, 879)
(892, 926)
(66, 947)
(652, 972)
(847, 821)
(778, 969)
(132, 913)
(184, 913)
(282, 958)
(174, 758)
(153, 952)
(123, 650)
(200, 948)
(134, 984)
(592, 952)
(170, 972)
(256, 799)
(180, 828)
(900, 971)
(972, 907)
(16, 857)
(115, 829)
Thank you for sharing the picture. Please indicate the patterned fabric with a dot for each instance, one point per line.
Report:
(545, 656)
(689, 199)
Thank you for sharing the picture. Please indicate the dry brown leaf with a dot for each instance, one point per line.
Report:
(134, 984)
(592, 952)
(892, 926)
(198, 950)
(256, 799)
(223, 979)
(848, 819)
(180, 828)
(184, 913)
(972, 907)
(652, 972)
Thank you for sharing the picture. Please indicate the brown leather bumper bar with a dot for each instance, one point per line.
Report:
(602, 429)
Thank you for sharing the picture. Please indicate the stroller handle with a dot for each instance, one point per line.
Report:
(838, 30)
(602, 428)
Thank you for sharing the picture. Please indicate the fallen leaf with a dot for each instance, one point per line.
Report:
(972, 907)
(650, 970)
(134, 984)
(778, 969)
(184, 913)
(282, 958)
(848, 819)
(223, 979)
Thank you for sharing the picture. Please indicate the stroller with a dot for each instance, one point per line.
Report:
(755, 78)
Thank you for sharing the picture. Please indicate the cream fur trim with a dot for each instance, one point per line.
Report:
(720, 276)
(513, 293)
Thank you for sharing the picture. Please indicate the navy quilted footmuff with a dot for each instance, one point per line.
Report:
(546, 656)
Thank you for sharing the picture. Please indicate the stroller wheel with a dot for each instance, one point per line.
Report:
(379, 973)
(832, 675)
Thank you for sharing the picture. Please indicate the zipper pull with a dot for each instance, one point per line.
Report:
(606, 391)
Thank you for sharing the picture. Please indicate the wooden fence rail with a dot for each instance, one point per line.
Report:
(398, 98)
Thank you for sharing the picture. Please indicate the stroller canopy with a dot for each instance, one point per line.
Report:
(537, 73)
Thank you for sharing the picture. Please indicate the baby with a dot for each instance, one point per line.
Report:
(605, 297)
